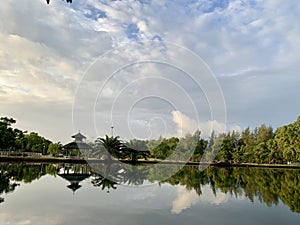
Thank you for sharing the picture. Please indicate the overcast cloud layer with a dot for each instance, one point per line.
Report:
(50, 53)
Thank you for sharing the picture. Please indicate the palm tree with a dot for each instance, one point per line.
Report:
(113, 146)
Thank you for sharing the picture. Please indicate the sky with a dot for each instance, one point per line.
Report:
(148, 67)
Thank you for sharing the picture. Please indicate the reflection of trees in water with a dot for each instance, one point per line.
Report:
(268, 186)
(104, 183)
(11, 174)
(118, 173)
(106, 175)
(6, 185)
(135, 175)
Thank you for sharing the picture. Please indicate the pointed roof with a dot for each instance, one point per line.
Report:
(78, 143)
(78, 136)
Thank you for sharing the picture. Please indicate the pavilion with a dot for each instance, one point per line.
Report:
(78, 144)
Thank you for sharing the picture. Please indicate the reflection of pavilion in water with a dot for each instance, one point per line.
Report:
(74, 174)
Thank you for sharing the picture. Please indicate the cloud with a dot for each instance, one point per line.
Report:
(251, 47)
(5, 219)
(31, 72)
(185, 125)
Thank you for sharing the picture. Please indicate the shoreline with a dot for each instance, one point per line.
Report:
(83, 161)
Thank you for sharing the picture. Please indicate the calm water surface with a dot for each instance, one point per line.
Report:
(51, 194)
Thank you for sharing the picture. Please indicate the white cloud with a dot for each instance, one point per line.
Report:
(185, 125)
(33, 70)
(5, 219)
(44, 50)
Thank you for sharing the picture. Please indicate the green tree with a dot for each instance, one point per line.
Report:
(113, 146)
(275, 155)
(191, 146)
(212, 148)
(151, 144)
(36, 143)
(137, 144)
(165, 148)
(247, 145)
(54, 148)
(225, 153)
(261, 152)
(200, 146)
(264, 134)
(288, 141)
(8, 135)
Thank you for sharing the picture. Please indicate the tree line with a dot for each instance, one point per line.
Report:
(260, 145)
(13, 139)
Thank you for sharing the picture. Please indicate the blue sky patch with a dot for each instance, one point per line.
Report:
(132, 31)
(94, 13)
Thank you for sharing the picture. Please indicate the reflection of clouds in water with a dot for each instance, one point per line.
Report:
(185, 199)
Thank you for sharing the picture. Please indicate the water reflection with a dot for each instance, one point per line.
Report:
(269, 186)
(74, 174)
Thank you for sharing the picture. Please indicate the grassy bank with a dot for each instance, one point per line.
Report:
(40, 159)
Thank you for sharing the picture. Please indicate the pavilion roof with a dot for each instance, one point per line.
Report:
(78, 136)
(77, 145)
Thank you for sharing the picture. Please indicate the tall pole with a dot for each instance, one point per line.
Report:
(112, 131)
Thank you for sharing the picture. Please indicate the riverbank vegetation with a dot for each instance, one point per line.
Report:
(261, 145)
(18, 141)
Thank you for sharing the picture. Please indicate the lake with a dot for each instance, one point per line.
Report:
(63, 194)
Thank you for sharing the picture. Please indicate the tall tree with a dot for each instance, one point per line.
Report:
(36, 143)
(113, 146)
(247, 145)
(54, 148)
(8, 135)
(288, 141)
(264, 134)
(165, 148)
